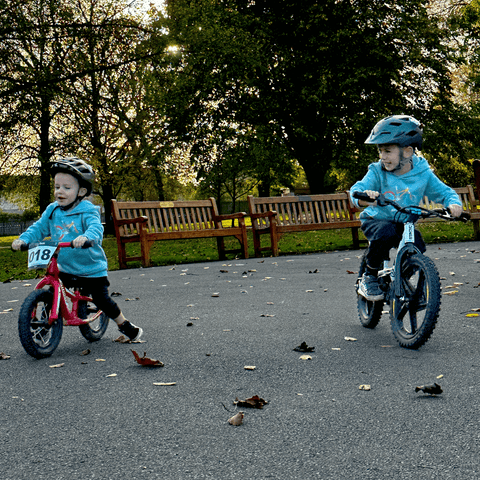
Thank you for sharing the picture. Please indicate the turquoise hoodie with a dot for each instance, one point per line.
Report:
(406, 189)
(63, 226)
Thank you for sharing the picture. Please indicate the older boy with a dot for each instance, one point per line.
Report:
(403, 177)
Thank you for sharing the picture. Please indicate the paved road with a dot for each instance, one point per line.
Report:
(77, 423)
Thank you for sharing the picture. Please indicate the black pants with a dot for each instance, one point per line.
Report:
(97, 288)
(382, 236)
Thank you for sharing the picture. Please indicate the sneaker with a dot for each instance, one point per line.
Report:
(369, 288)
(131, 331)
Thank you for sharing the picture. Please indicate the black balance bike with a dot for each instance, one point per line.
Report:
(411, 283)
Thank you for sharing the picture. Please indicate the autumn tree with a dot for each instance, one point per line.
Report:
(317, 75)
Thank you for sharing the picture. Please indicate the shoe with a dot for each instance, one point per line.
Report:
(369, 288)
(131, 331)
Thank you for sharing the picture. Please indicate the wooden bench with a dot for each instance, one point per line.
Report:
(275, 216)
(470, 204)
(147, 222)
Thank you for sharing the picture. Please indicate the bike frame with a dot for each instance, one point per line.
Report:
(61, 294)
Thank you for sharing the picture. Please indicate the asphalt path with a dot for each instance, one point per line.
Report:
(79, 422)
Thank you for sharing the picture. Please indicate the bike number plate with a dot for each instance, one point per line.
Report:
(39, 255)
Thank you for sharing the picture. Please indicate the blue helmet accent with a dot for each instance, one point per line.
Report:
(401, 130)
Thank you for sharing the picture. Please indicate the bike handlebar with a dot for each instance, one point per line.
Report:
(383, 201)
(87, 244)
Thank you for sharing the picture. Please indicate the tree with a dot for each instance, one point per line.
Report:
(319, 75)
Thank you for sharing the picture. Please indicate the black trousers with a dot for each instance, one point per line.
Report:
(97, 288)
(383, 235)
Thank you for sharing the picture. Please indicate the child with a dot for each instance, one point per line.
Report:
(73, 218)
(403, 177)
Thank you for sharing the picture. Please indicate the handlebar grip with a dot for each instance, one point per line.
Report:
(88, 244)
(363, 196)
(24, 247)
(464, 217)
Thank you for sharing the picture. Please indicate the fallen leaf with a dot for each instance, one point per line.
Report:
(309, 291)
(189, 324)
(252, 402)
(215, 294)
(249, 367)
(434, 389)
(472, 314)
(350, 272)
(266, 315)
(305, 357)
(223, 271)
(85, 352)
(452, 292)
(236, 419)
(145, 361)
(350, 339)
(4, 356)
(335, 348)
(100, 360)
(440, 376)
(8, 310)
(164, 384)
(112, 375)
(365, 387)
(58, 365)
(115, 294)
(132, 299)
(303, 347)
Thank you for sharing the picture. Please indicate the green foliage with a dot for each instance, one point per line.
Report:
(205, 250)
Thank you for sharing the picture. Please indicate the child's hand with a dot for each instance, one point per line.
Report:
(17, 244)
(455, 210)
(372, 194)
(79, 241)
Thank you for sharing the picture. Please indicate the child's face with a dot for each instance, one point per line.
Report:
(390, 156)
(66, 189)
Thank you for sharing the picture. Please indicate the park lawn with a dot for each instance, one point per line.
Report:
(14, 264)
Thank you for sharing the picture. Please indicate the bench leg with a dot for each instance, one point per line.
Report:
(221, 248)
(274, 238)
(356, 242)
(122, 255)
(256, 242)
(145, 253)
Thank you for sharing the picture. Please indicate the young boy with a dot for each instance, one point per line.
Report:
(73, 218)
(403, 177)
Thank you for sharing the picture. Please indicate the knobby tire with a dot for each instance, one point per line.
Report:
(414, 317)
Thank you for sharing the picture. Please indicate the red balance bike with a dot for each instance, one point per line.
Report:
(51, 305)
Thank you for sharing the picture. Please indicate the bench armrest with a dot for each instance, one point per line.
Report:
(129, 221)
(230, 216)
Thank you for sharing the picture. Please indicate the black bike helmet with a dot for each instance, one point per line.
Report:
(81, 170)
(401, 130)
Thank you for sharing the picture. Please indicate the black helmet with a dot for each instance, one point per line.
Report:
(81, 170)
(401, 130)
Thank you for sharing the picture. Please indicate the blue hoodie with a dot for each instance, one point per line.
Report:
(406, 189)
(65, 226)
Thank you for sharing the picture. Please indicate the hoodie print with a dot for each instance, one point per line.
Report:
(398, 195)
(66, 229)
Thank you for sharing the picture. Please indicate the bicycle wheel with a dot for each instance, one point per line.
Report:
(414, 314)
(95, 330)
(369, 312)
(38, 338)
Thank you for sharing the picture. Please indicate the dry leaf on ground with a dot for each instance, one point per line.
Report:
(236, 419)
(365, 387)
(4, 356)
(145, 361)
(249, 367)
(434, 389)
(303, 347)
(58, 365)
(305, 357)
(85, 352)
(252, 402)
(350, 339)
(164, 384)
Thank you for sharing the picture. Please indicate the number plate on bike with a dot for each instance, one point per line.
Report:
(39, 254)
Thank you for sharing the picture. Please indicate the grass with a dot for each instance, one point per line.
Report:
(14, 264)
